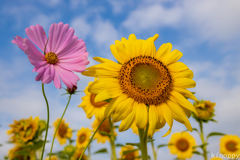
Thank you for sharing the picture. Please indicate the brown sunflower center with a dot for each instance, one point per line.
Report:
(82, 138)
(146, 80)
(231, 146)
(105, 127)
(97, 104)
(62, 130)
(182, 145)
(51, 58)
(130, 156)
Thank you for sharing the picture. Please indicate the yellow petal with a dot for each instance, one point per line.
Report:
(184, 74)
(179, 115)
(107, 94)
(167, 133)
(132, 37)
(177, 67)
(128, 121)
(112, 105)
(161, 122)
(167, 114)
(141, 117)
(183, 101)
(163, 50)
(184, 83)
(185, 93)
(171, 57)
(100, 73)
(153, 119)
(103, 84)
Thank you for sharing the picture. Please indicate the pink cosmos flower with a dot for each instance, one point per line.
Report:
(63, 54)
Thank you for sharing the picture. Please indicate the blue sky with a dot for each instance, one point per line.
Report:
(206, 32)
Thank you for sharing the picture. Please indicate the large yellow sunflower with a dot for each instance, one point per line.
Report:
(63, 132)
(230, 145)
(83, 137)
(181, 144)
(205, 109)
(91, 107)
(130, 155)
(135, 129)
(144, 76)
(23, 130)
(105, 127)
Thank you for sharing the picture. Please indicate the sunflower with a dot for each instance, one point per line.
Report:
(15, 153)
(91, 107)
(129, 156)
(230, 144)
(83, 137)
(105, 127)
(205, 110)
(77, 154)
(23, 130)
(52, 158)
(145, 85)
(63, 131)
(181, 144)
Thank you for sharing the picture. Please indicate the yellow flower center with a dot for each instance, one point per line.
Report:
(97, 104)
(62, 130)
(231, 146)
(182, 145)
(82, 138)
(130, 156)
(51, 58)
(105, 127)
(146, 80)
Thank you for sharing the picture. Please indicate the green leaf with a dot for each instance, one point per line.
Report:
(150, 140)
(213, 120)
(104, 150)
(215, 134)
(201, 146)
(134, 144)
(22, 152)
(37, 145)
(196, 152)
(129, 151)
(119, 145)
(116, 127)
(0, 145)
(104, 133)
(163, 145)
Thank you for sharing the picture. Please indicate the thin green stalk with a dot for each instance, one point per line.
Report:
(203, 141)
(91, 139)
(50, 154)
(45, 139)
(89, 153)
(143, 142)
(154, 151)
(112, 141)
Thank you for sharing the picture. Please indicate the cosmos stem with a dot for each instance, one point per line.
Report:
(91, 139)
(143, 142)
(45, 139)
(154, 151)
(112, 140)
(50, 154)
(203, 141)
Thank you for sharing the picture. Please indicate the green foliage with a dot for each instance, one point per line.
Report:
(119, 145)
(163, 145)
(134, 144)
(129, 151)
(197, 152)
(215, 134)
(104, 150)
(200, 146)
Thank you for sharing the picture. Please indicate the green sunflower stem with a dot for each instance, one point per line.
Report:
(50, 154)
(154, 151)
(203, 141)
(143, 142)
(45, 139)
(91, 140)
(89, 153)
(112, 141)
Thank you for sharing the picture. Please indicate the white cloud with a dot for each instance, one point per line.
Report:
(104, 34)
(76, 3)
(44, 20)
(51, 3)
(215, 20)
(82, 28)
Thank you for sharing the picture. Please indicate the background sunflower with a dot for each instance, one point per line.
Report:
(230, 144)
(64, 132)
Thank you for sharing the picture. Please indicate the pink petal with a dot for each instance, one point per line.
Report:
(37, 35)
(56, 80)
(20, 42)
(46, 77)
